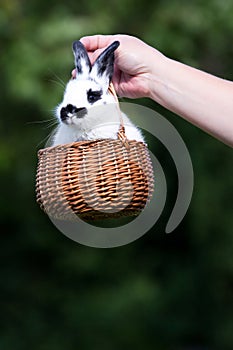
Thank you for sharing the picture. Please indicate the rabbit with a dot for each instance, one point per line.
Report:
(88, 110)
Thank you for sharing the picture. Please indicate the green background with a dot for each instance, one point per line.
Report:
(161, 292)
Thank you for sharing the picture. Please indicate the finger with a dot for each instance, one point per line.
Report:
(95, 42)
(73, 73)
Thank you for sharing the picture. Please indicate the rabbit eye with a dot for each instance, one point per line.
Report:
(94, 96)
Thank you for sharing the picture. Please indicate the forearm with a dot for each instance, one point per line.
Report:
(200, 98)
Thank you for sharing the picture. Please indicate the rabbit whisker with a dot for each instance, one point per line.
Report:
(40, 121)
(47, 138)
(58, 80)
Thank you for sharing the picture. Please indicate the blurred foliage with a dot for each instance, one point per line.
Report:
(161, 292)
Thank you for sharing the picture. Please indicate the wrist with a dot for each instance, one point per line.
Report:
(158, 77)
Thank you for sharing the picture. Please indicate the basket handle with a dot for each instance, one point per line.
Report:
(121, 132)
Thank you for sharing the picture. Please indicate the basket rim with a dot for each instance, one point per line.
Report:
(77, 144)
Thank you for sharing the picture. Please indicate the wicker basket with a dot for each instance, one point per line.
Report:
(95, 179)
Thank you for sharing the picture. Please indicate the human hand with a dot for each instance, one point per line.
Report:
(142, 71)
(134, 63)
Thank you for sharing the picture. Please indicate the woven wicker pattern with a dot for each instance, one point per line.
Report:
(95, 179)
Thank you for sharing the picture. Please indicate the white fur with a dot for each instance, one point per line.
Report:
(102, 120)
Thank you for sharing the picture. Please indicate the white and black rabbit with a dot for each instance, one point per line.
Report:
(88, 110)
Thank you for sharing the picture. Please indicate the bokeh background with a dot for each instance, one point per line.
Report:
(161, 292)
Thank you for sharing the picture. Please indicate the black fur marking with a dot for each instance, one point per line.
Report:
(105, 61)
(94, 96)
(81, 56)
(81, 112)
(70, 109)
(63, 114)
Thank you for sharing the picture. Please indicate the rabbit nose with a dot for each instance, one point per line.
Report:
(71, 110)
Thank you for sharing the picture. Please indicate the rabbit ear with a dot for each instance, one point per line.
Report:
(82, 61)
(104, 64)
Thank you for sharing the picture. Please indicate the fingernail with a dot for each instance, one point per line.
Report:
(73, 73)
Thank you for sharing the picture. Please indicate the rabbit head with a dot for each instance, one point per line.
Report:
(90, 87)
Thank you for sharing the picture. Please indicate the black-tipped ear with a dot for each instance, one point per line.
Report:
(82, 61)
(104, 64)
